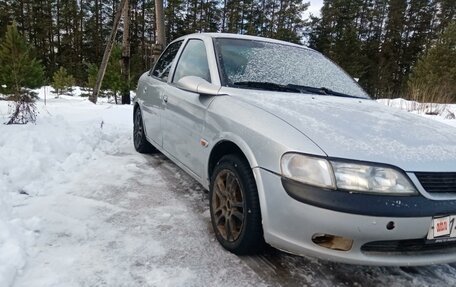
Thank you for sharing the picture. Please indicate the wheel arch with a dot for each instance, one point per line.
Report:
(227, 146)
(136, 106)
(230, 144)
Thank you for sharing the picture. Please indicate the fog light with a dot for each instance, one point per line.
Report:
(332, 242)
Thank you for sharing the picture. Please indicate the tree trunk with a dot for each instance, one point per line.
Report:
(58, 28)
(224, 17)
(125, 61)
(97, 38)
(160, 40)
(201, 22)
(51, 36)
(143, 37)
(101, 72)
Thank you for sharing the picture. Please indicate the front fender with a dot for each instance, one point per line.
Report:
(262, 137)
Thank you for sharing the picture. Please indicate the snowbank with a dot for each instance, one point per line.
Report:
(107, 215)
(12, 257)
(445, 113)
(69, 133)
(48, 92)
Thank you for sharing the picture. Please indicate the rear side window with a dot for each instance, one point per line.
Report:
(193, 62)
(161, 69)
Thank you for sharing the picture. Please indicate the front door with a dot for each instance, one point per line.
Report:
(184, 119)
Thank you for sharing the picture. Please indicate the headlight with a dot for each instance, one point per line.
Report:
(342, 175)
(309, 170)
(371, 178)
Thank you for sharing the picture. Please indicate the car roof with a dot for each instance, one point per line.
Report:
(239, 36)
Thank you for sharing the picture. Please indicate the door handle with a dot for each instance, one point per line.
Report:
(145, 90)
(165, 98)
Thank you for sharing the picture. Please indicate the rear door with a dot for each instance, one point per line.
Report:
(155, 84)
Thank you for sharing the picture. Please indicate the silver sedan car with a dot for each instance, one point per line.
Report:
(296, 155)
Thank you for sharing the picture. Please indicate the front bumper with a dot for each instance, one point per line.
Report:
(290, 224)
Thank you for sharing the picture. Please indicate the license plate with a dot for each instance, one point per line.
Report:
(442, 229)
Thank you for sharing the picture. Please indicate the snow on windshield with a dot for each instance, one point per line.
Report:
(256, 61)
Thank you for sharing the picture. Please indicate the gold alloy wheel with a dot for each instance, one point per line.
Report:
(228, 205)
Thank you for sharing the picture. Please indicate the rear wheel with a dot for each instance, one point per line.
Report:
(139, 136)
(234, 206)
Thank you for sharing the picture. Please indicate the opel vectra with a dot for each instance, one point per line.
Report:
(296, 155)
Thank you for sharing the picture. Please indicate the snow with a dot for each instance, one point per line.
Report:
(40, 159)
(445, 112)
(79, 207)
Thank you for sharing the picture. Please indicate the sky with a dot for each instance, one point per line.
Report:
(314, 8)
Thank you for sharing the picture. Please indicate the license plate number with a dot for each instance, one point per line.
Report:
(442, 229)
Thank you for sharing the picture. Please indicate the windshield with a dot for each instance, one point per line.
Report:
(244, 61)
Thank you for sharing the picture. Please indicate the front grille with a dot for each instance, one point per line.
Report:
(407, 246)
(434, 182)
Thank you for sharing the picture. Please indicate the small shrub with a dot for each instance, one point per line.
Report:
(62, 81)
(23, 109)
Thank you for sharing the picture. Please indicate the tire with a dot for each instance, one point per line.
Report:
(139, 137)
(234, 206)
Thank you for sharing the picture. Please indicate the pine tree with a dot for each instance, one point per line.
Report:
(19, 69)
(446, 14)
(371, 26)
(337, 34)
(5, 15)
(391, 50)
(174, 19)
(70, 54)
(92, 73)
(113, 78)
(62, 81)
(436, 71)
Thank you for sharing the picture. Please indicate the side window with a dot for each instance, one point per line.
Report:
(193, 62)
(161, 69)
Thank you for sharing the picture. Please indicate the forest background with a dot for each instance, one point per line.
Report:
(396, 48)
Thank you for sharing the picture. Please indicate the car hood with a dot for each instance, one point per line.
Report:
(363, 129)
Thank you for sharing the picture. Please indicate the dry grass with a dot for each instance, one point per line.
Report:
(425, 100)
(430, 100)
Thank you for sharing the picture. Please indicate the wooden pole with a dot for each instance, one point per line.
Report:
(107, 53)
(125, 61)
(161, 39)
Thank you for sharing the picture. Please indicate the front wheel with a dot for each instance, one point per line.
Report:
(234, 206)
(139, 136)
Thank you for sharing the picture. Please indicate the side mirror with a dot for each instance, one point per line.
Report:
(198, 85)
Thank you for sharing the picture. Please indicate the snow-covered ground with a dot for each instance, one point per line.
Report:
(445, 113)
(79, 207)
(39, 161)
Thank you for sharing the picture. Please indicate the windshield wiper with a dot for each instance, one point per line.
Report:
(293, 89)
(269, 86)
(322, 91)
